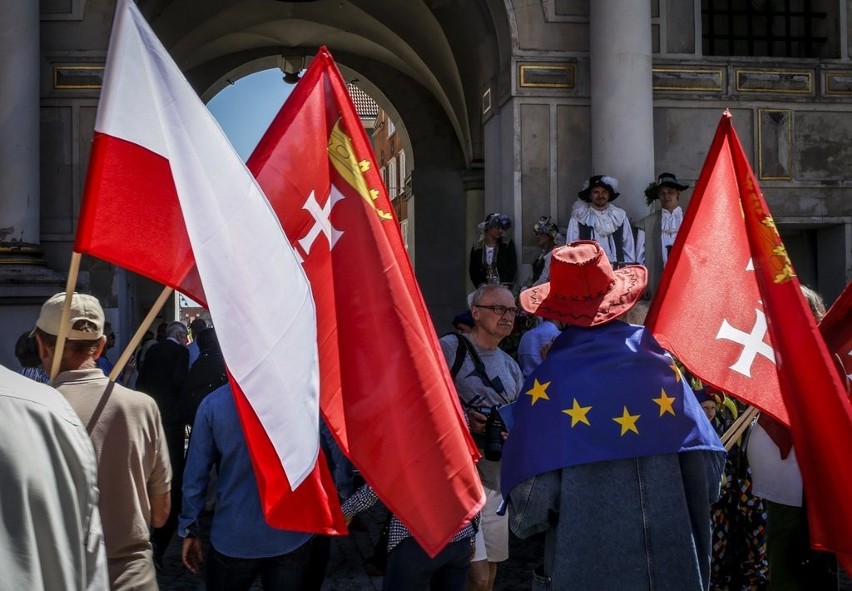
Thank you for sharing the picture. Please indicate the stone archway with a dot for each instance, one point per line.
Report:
(429, 60)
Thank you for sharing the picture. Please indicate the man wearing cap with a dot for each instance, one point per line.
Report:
(594, 217)
(609, 452)
(657, 231)
(134, 473)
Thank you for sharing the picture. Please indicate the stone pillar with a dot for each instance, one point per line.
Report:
(19, 124)
(622, 111)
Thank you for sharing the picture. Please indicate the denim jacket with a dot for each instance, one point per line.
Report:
(632, 524)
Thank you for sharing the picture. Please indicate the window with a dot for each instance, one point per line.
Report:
(769, 28)
(392, 182)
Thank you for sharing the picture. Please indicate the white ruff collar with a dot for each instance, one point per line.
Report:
(671, 221)
(603, 222)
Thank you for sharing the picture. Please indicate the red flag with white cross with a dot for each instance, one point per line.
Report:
(709, 311)
(708, 296)
(385, 391)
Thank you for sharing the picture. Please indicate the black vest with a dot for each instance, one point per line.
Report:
(617, 238)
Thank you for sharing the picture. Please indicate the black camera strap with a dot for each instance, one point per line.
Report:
(466, 347)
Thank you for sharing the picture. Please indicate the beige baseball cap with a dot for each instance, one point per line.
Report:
(83, 307)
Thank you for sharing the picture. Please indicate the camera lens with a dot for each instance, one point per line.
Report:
(494, 428)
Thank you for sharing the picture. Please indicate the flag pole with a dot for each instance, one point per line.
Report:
(137, 336)
(73, 272)
(738, 427)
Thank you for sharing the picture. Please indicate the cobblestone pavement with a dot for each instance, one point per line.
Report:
(347, 567)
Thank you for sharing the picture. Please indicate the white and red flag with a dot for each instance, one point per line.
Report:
(730, 308)
(167, 196)
(385, 390)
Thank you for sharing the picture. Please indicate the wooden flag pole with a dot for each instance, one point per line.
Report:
(140, 332)
(73, 272)
(739, 427)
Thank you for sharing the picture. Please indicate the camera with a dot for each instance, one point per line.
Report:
(494, 428)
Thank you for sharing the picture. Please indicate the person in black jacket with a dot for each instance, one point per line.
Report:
(206, 374)
(493, 258)
(162, 376)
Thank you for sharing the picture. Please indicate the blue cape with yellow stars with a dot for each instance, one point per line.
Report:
(604, 393)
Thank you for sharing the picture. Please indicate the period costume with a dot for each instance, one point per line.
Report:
(545, 226)
(609, 227)
(493, 264)
(657, 231)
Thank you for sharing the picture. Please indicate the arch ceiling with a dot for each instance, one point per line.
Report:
(454, 49)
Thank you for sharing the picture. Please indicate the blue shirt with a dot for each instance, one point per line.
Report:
(105, 364)
(239, 529)
(194, 352)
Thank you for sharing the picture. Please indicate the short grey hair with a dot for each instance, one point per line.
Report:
(176, 328)
(485, 289)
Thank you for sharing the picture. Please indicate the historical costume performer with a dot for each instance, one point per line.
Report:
(493, 258)
(594, 217)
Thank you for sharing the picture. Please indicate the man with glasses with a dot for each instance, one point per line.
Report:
(486, 378)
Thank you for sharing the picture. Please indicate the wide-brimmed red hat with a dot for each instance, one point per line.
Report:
(583, 289)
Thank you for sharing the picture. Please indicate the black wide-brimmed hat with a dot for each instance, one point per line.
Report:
(665, 179)
(607, 182)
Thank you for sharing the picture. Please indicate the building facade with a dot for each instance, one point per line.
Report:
(500, 105)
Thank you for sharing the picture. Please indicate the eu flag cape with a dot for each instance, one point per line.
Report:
(603, 393)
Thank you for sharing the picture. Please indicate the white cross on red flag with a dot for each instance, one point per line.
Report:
(385, 391)
(709, 312)
(706, 284)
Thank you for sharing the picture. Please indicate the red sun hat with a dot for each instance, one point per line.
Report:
(583, 289)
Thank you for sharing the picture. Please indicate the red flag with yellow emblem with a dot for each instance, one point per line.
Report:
(817, 407)
(385, 391)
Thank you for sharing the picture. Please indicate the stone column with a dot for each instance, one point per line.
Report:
(19, 123)
(622, 111)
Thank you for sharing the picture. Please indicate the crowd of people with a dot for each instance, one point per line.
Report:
(101, 474)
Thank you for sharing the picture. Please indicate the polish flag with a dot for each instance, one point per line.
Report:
(167, 197)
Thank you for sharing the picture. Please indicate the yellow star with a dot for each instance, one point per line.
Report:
(665, 401)
(627, 422)
(578, 413)
(676, 369)
(538, 391)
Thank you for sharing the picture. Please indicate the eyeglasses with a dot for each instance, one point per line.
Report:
(500, 310)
